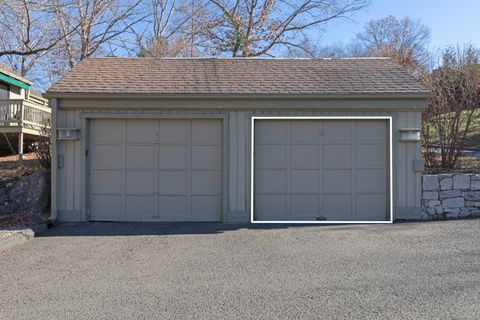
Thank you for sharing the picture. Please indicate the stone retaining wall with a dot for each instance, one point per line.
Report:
(451, 196)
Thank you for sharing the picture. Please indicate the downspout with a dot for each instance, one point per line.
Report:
(54, 165)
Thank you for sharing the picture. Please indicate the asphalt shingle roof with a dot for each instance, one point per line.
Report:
(263, 77)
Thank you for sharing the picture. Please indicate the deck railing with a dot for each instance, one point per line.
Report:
(31, 114)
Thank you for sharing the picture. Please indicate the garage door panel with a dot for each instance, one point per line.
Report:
(140, 206)
(371, 207)
(108, 130)
(174, 130)
(370, 130)
(106, 206)
(337, 207)
(271, 181)
(271, 156)
(107, 156)
(107, 181)
(206, 182)
(143, 131)
(305, 130)
(139, 182)
(337, 155)
(141, 156)
(171, 206)
(304, 156)
(304, 181)
(206, 157)
(172, 182)
(337, 130)
(206, 206)
(274, 130)
(306, 207)
(371, 181)
(271, 207)
(370, 155)
(173, 157)
(206, 130)
(337, 181)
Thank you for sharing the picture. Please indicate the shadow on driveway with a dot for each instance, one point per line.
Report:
(99, 229)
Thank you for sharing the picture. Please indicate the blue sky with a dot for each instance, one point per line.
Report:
(450, 21)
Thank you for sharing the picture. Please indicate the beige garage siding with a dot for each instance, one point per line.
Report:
(68, 198)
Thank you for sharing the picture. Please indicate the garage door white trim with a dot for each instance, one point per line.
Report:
(252, 164)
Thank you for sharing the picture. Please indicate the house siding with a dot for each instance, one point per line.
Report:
(68, 179)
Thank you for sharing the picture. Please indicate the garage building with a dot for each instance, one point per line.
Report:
(237, 140)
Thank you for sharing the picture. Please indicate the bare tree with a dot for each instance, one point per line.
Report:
(251, 28)
(27, 32)
(404, 40)
(174, 28)
(159, 37)
(100, 24)
(448, 118)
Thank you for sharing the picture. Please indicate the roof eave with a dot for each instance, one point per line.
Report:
(98, 95)
(16, 81)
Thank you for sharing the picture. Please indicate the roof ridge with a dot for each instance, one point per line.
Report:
(238, 58)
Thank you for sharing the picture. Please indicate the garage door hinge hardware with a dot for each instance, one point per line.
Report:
(86, 153)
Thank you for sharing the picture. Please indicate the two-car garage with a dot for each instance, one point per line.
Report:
(237, 140)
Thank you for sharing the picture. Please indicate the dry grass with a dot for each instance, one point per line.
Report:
(463, 165)
(472, 139)
(11, 168)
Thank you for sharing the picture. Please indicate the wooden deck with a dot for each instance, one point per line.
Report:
(18, 118)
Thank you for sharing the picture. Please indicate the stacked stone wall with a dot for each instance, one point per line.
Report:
(451, 196)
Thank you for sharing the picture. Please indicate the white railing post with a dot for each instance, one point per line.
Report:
(22, 114)
(20, 134)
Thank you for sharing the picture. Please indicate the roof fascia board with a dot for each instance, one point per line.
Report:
(13, 81)
(238, 96)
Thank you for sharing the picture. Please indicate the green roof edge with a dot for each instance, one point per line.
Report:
(13, 81)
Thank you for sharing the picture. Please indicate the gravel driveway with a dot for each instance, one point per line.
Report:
(214, 271)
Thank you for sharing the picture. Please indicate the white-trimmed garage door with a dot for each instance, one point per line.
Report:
(155, 170)
(321, 170)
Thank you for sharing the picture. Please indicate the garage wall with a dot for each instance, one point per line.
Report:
(407, 191)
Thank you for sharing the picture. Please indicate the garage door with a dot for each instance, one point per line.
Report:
(155, 170)
(314, 170)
